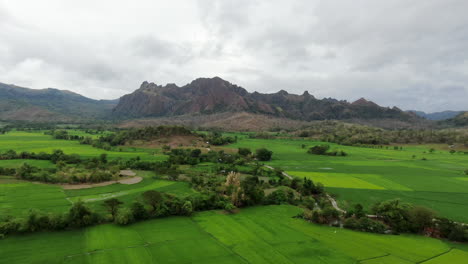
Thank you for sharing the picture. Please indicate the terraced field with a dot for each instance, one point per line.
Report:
(369, 175)
(255, 235)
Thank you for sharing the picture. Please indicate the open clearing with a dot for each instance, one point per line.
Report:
(255, 235)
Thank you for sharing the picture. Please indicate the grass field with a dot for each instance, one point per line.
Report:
(17, 197)
(369, 175)
(255, 235)
(38, 142)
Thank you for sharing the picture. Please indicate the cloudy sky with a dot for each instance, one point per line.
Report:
(412, 54)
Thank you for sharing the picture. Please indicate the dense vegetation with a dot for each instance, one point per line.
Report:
(352, 134)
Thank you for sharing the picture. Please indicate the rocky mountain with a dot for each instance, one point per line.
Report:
(436, 115)
(45, 105)
(215, 95)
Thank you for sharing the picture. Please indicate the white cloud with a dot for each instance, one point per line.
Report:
(409, 54)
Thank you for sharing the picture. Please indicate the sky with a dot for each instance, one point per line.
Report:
(409, 54)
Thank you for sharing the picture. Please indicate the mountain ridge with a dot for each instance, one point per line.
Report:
(215, 95)
(49, 104)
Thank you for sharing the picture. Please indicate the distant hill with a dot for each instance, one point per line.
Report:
(18, 103)
(461, 120)
(436, 115)
(206, 96)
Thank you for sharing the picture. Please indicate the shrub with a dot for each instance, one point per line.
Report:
(319, 149)
(367, 225)
(187, 208)
(138, 210)
(80, 215)
(264, 154)
(277, 197)
(244, 151)
(124, 217)
(351, 223)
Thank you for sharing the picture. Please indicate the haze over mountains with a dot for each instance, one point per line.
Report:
(201, 97)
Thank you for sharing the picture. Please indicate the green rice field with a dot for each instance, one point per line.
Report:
(38, 142)
(17, 197)
(267, 234)
(369, 175)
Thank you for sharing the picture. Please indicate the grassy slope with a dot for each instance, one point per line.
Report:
(369, 175)
(255, 235)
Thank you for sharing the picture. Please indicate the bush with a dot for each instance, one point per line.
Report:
(139, 212)
(367, 225)
(187, 208)
(124, 217)
(319, 149)
(277, 197)
(351, 223)
(263, 154)
(244, 152)
(80, 215)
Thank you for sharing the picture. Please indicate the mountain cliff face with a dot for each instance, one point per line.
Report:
(18, 103)
(215, 95)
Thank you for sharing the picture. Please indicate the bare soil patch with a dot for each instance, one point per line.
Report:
(132, 180)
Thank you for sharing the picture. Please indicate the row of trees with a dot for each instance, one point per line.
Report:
(324, 150)
(392, 216)
(352, 134)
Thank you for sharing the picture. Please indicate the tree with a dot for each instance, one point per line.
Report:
(103, 158)
(138, 210)
(233, 188)
(244, 152)
(421, 218)
(330, 214)
(153, 199)
(252, 190)
(124, 217)
(80, 215)
(263, 154)
(319, 149)
(359, 211)
(395, 214)
(112, 206)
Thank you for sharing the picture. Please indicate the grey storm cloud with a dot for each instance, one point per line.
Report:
(411, 54)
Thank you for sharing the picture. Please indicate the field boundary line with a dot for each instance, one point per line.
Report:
(217, 240)
(436, 256)
(366, 259)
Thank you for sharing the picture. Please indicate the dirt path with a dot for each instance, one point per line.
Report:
(284, 173)
(131, 180)
(335, 204)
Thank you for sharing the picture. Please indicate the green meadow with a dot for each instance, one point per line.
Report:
(369, 175)
(267, 234)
